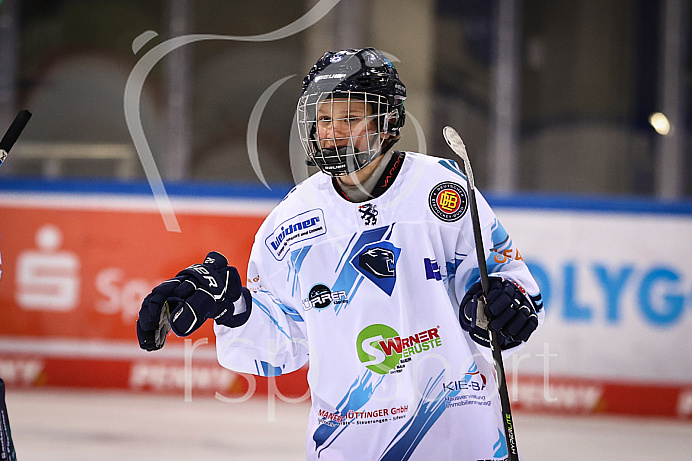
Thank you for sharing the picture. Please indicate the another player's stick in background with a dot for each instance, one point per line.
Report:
(457, 145)
(7, 451)
(13, 133)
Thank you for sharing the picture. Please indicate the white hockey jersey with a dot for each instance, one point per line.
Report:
(369, 294)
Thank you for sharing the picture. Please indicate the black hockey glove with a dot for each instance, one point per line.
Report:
(197, 293)
(507, 310)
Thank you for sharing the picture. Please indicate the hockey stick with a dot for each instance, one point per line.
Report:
(13, 133)
(457, 145)
(7, 452)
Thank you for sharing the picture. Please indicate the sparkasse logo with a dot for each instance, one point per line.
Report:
(382, 350)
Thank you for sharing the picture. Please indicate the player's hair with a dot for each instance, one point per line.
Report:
(365, 75)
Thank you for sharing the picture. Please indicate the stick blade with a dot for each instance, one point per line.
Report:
(454, 141)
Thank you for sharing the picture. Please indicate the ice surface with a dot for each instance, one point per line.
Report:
(88, 425)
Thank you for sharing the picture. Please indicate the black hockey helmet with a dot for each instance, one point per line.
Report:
(364, 74)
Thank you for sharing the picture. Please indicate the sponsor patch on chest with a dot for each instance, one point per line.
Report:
(299, 228)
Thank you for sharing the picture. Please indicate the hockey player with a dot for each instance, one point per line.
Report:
(367, 271)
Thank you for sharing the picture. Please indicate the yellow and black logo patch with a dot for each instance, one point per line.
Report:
(448, 201)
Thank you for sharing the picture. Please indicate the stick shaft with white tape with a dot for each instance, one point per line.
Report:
(457, 145)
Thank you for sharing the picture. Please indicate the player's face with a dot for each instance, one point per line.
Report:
(342, 123)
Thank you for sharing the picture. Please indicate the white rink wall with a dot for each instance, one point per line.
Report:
(617, 286)
(617, 289)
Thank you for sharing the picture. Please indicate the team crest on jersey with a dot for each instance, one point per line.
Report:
(368, 213)
(377, 262)
(448, 201)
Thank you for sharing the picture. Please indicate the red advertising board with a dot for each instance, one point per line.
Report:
(75, 268)
(83, 273)
(75, 271)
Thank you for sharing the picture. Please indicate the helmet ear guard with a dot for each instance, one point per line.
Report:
(392, 122)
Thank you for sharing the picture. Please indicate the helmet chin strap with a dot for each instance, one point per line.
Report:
(340, 151)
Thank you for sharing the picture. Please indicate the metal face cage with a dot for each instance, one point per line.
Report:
(342, 131)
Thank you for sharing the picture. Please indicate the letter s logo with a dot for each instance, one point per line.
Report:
(376, 353)
(47, 278)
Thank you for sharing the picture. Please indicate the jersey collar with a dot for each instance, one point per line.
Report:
(384, 182)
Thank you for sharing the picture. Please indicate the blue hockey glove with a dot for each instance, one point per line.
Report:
(507, 310)
(207, 290)
(199, 292)
(153, 323)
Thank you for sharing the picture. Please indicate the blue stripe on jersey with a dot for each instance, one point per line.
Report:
(537, 301)
(353, 291)
(344, 253)
(425, 416)
(499, 238)
(389, 234)
(500, 446)
(492, 265)
(266, 369)
(349, 279)
(269, 314)
(356, 397)
(451, 267)
(452, 166)
(290, 312)
(295, 262)
(409, 436)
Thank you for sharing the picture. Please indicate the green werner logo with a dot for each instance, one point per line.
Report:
(380, 348)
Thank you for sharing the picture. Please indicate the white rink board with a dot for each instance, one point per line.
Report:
(617, 289)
